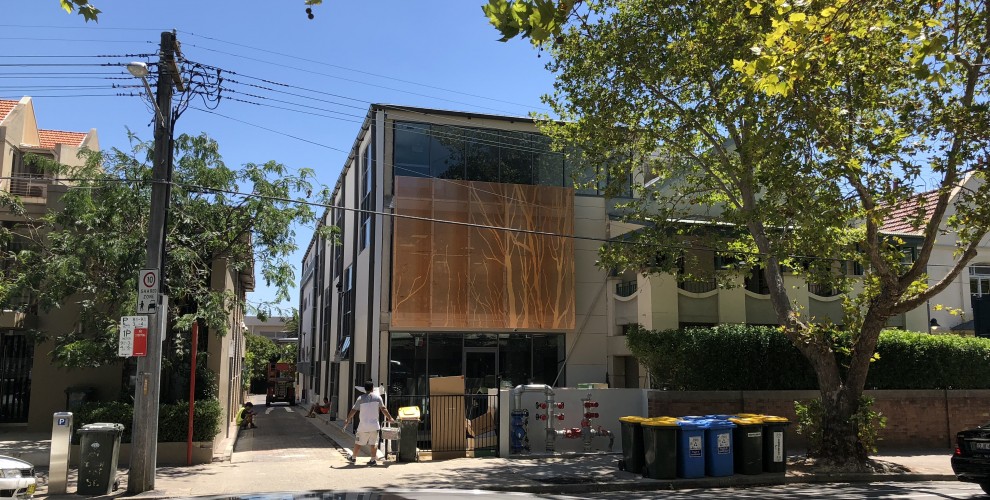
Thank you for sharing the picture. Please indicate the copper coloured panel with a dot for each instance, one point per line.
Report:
(469, 277)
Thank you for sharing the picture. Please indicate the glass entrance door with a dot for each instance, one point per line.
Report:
(480, 369)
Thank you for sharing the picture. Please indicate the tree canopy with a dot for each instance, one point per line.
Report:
(787, 133)
(84, 257)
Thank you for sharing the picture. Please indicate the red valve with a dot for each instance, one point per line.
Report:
(596, 404)
(543, 406)
(560, 406)
(585, 423)
(560, 416)
(587, 404)
(543, 417)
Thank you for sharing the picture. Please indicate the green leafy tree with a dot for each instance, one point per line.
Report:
(802, 124)
(82, 7)
(85, 257)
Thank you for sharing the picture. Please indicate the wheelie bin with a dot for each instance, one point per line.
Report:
(747, 441)
(99, 448)
(718, 444)
(774, 445)
(660, 447)
(690, 449)
(632, 444)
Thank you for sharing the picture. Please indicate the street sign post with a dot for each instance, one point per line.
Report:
(133, 336)
(147, 291)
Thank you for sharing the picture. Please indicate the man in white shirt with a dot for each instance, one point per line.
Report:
(367, 406)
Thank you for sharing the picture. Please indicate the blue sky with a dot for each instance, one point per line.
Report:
(436, 53)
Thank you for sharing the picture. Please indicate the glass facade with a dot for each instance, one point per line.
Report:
(489, 155)
(488, 360)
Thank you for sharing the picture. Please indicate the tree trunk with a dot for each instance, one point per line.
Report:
(840, 432)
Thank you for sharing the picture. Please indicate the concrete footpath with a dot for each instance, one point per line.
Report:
(291, 453)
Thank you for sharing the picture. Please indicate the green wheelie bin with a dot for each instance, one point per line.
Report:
(747, 441)
(660, 447)
(632, 444)
(774, 444)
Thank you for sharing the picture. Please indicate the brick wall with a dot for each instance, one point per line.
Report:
(915, 419)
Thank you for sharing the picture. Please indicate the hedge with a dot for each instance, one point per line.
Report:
(741, 357)
(173, 419)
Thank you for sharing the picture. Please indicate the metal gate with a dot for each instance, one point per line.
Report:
(16, 356)
(981, 315)
(455, 425)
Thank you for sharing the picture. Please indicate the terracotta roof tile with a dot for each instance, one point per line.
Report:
(918, 208)
(49, 138)
(5, 108)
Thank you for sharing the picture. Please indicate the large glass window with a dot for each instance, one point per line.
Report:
(447, 160)
(407, 366)
(548, 359)
(446, 352)
(516, 158)
(515, 359)
(482, 154)
(412, 149)
(548, 166)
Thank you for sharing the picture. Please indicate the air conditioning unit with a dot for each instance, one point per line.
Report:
(36, 190)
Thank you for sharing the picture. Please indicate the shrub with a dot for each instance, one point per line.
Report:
(741, 357)
(172, 419)
(868, 422)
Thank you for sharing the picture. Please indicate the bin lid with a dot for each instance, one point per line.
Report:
(101, 427)
(692, 417)
(720, 424)
(688, 424)
(408, 413)
(770, 419)
(747, 421)
(721, 416)
(748, 415)
(660, 422)
(632, 419)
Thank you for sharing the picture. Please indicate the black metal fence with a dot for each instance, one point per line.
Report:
(455, 425)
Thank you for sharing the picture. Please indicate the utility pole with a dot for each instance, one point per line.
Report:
(144, 429)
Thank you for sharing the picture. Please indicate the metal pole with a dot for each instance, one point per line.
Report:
(144, 442)
(192, 392)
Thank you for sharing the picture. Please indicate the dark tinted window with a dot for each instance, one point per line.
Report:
(447, 152)
(412, 149)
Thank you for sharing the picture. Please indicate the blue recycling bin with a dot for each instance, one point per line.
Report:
(690, 449)
(718, 445)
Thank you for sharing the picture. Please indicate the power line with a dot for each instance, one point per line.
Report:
(359, 82)
(290, 56)
(77, 27)
(197, 187)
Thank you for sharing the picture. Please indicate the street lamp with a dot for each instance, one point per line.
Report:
(140, 70)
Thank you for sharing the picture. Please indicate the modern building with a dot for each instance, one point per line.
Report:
(465, 249)
(273, 328)
(32, 387)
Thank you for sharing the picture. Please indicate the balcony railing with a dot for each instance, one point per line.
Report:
(29, 186)
(625, 289)
(697, 286)
(822, 290)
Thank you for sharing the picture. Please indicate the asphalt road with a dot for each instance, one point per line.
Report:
(932, 490)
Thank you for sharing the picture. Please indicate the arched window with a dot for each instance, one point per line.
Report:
(979, 279)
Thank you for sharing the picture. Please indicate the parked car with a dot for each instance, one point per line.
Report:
(16, 478)
(971, 461)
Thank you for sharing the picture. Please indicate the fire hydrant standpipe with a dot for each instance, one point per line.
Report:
(548, 412)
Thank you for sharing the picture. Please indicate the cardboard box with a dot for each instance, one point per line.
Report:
(447, 419)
